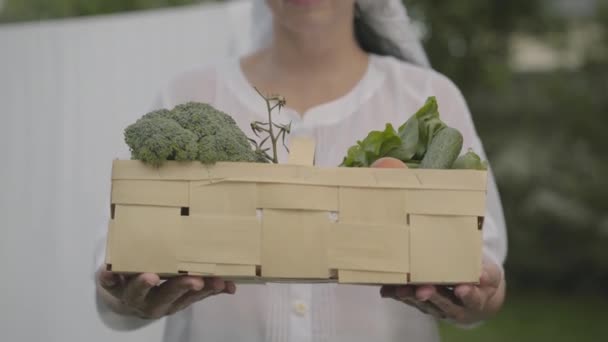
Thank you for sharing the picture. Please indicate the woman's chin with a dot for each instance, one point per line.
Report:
(305, 3)
(312, 16)
(308, 22)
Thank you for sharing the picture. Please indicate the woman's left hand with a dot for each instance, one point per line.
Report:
(469, 303)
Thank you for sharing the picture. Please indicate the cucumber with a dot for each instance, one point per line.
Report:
(470, 161)
(443, 150)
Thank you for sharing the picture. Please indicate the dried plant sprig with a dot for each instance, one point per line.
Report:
(273, 131)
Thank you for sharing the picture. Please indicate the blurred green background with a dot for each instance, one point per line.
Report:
(535, 74)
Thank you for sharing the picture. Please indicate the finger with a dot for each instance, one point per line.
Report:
(108, 279)
(230, 287)
(446, 306)
(472, 297)
(417, 304)
(138, 288)
(216, 285)
(490, 280)
(406, 291)
(463, 291)
(449, 293)
(407, 295)
(490, 276)
(424, 293)
(111, 283)
(434, 310)
(189, 299)
(424, 307)
(169, 292)
(388, 291)
(213, 286)
(397, 291)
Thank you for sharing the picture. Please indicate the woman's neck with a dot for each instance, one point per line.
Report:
(315, 52)
(308, 69)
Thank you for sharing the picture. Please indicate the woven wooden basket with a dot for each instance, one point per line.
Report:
(296, 222)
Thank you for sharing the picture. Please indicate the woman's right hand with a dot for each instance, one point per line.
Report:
(143, 296)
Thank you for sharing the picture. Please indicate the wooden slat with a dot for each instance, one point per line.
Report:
(220, 240)
(364, 277)
(446, 202)
(304, 197)
(297, 174)
(369, 248)
(223, 199)
(294, 244)
(197, 268)
(302, 151)
(110, 242)
(453, 179)
(147, 192)
(374, 206)
(223, 270)
(445, 249)
(137, 170)
(144, 239)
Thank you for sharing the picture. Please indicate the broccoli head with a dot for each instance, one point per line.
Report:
(155, 138)
(191, 131)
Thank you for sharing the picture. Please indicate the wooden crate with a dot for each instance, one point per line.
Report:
(296, 222)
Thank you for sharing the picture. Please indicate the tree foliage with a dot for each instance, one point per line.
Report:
(543, 132)
(32, 10)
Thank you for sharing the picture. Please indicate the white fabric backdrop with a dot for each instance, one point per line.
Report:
(67, 90)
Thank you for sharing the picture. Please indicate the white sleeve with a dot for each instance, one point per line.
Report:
(109, 317)
(455, 112)
(198, 84)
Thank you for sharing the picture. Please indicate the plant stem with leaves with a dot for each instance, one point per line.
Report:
(268, 128)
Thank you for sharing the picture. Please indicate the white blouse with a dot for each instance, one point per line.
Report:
(390, 91)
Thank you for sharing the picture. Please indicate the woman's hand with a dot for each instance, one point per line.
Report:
(143, 296)
(468, 304)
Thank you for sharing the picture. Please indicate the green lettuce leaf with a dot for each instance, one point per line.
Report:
(376, 145)
(470, 161)
(429, 124)
(408, 144)
(410, 137)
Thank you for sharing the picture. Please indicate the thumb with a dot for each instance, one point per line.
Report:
(107, 279)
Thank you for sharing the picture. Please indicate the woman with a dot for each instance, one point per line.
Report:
(341, 81)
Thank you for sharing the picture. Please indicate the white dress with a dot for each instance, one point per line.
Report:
(390, 91)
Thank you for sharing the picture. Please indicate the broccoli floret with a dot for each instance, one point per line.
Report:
(219, 137)
(202, 118)
(155, 138)
(191, 131)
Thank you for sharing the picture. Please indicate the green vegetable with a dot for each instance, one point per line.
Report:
(376, 145)
(409, 134)
(155, 138)
(423, 141)
(470, 161)
(443, 150)
(429, 124)
(191, 131)
(409, 144)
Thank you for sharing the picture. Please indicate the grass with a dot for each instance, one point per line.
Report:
(539, 318)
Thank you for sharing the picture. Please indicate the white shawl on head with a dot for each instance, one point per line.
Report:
(389, 18)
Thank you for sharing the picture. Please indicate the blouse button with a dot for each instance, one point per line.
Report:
(300, 308)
